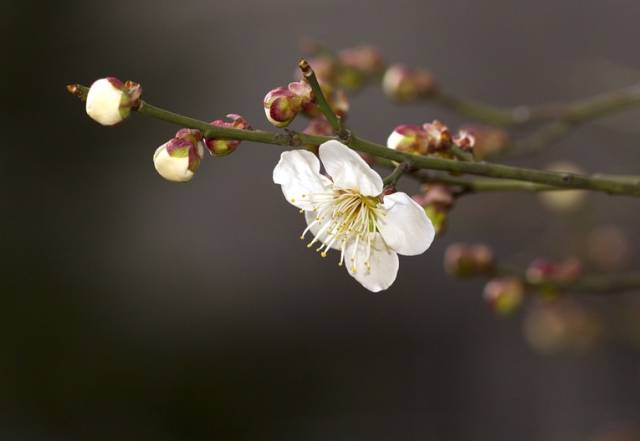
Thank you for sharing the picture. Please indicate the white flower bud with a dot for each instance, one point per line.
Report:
(108, 101)
(178, 159)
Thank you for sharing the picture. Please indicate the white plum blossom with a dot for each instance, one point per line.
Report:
(347, 211)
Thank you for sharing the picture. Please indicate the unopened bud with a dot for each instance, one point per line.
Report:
(465, 140)
(464, 260)
(336, 98)
(561, 325)
(178, 159)
(222, 147)
(608, 248)
(543, 270)
(109, 100)
(319, 127)
(504, 294)
(488, 140)
(437, 200)
(282, 105)
(366, 59)
(438, 136)
(403, 83)
(408, 138)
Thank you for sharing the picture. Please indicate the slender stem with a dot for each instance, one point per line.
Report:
(319, 97)
(629, 186)
(396, 174)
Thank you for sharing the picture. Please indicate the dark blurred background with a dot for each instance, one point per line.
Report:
(137, 309)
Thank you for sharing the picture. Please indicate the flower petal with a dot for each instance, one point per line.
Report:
(314, 228)
(298, 172)
(348, 170)
(405, 227)
(383, 264)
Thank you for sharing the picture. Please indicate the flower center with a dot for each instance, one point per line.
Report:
(343, 216)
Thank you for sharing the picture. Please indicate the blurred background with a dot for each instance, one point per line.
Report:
(137, 309)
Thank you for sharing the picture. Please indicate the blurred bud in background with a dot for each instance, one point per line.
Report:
(357, 65)
(437, 200)
(403, 83)
(561, 325)
(504, 294)
(467, 260)
(488, 140)
(545, 270)
(608, 248)
(563, 201)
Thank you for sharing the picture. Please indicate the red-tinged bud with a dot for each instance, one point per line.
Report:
(281, 106)
(464, 260)
(403, 83)
(543, 270)
(438, 136)
(319, 127)
(408, 138)
(465, 140)
(488, 140)
(365, 59)
(608, 248)
(223, 147)
(504, 294)
(437, 201)
(562, 325)
(336, 98)
(178, 159)
(439, 195)
(109, 100)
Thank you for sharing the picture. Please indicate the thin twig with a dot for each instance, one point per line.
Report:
(320, 100)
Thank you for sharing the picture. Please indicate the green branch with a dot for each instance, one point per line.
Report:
(629, 186)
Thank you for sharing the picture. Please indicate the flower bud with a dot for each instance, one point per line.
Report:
(223, 147)
(408, 138)
(504, 294)
(437, 200)
(464, 140)
(178, 159)
(608, 248)
(336, 98)
(562, 325)
(543, 270)
(282, 104)
(438, 136)
(464, 260)
(109, 100)
(563, 201)
(403, 83)
(366, 59)
(488, 140)
(319, 127)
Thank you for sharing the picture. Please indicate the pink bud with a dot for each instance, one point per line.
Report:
(464, 260)
(504, 294)
(403, 83)
(464, 140)
(366, 59)
(438, 136)
(281, 106)
(223, 147)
